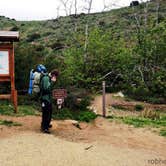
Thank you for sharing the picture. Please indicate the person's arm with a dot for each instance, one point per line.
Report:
(46, 85)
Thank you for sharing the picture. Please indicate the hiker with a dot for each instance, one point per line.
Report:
(46, 84)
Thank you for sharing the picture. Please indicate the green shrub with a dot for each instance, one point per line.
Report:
(163, 132)
(15, 28)
(23, 110)
(163, 118)
(33, 37)
(74, 102)
(71, 102)
(62, 114)
(84, 103)
(139, 93)
(28, 100)
(86, 116)
(139, 107)
(66, 113)
(136, 122)
(156, 100)
(141, 122)
(6, 109)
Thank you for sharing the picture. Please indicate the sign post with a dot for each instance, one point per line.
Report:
(103, 102)
(7, 69)
(59, 95)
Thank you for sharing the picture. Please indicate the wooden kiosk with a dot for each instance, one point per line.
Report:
(7, 39)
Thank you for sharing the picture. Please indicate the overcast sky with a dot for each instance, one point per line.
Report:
(48, 9)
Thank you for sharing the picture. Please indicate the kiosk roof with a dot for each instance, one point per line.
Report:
(9, 36)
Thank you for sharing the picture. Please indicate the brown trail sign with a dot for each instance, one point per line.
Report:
(7, 63)
(59, 95)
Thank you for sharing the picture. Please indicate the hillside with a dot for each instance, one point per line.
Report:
(58, 31)
(120, 35)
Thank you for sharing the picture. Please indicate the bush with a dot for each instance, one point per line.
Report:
(74, 102)
(65, 113)
(57, 46)
(163, 132)
(143, 94)
(102, 23)
(28, 100)
(71, 102)
(136, 122)
(15, 28)
(84, 103)
(23, 110)
(139, 107)
(62, 114)
(86, 116)
(150, 114)
(6, 108)
(139, 93)
(156, 100)
(141, 122)
(33, 37)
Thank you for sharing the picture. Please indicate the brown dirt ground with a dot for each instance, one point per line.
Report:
(101, 130)
(98, 143)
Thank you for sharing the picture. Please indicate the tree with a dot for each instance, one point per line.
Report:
(149, 56)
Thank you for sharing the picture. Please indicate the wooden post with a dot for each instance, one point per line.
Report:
(103, 102)
(14, 100)
(13, 90)
(7, 38)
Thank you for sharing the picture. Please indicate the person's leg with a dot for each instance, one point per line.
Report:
(44, 123)
(50, 115)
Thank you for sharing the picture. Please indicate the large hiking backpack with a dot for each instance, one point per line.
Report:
(35, 79)
(36, 82)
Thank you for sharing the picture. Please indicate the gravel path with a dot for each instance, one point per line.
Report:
(35, 149)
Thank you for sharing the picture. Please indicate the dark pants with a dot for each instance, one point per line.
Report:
(46, 115)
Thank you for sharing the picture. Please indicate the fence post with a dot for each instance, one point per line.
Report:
(103, 102)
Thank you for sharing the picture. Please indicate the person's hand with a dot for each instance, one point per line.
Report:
(53, 78)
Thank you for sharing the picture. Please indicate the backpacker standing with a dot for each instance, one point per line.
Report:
(46, 84)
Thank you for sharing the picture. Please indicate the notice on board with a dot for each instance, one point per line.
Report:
(4, 62)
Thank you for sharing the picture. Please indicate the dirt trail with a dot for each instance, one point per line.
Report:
(97, 144)
(119, 101)
(100, 143)
(32, 149)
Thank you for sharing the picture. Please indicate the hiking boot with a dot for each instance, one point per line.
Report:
(46, 131)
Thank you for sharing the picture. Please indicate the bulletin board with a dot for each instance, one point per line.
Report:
(4, 62)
